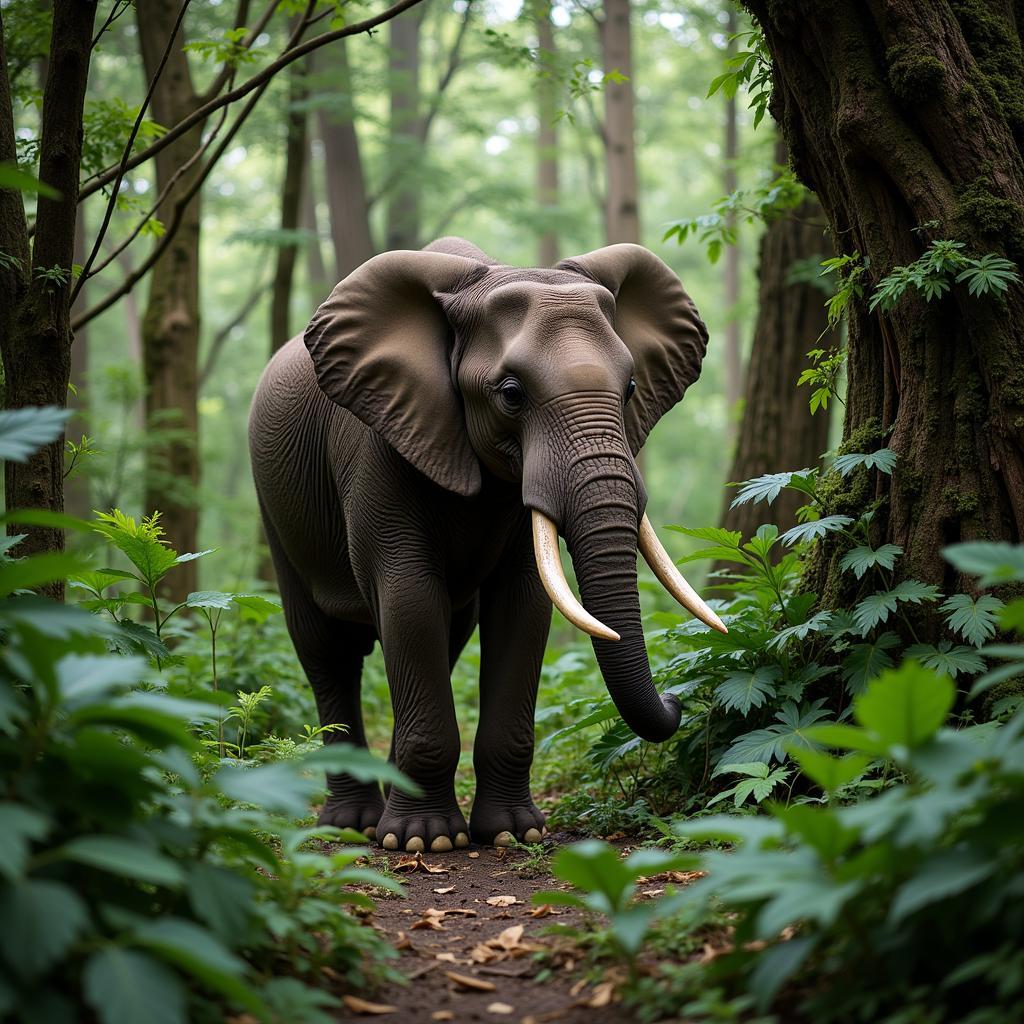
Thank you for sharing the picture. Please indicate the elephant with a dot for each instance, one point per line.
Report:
(416, 453)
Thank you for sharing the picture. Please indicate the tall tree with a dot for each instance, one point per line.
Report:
(622, 208)
(547, 131)
(731, 263)
(906, 120)
(35, 281)
(404, 133)
(777, 431)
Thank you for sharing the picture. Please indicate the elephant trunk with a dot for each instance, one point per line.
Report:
(600, 528)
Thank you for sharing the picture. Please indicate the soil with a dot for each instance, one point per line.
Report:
(475, 948)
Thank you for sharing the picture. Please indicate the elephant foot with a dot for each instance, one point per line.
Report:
(356, 807)
(422, 826)
(494, 822)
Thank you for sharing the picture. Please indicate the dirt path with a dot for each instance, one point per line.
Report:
(474, 946)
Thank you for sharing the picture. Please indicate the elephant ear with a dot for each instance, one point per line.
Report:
(659, 324)
(380, 347)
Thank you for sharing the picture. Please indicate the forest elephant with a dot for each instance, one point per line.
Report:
(416, 454)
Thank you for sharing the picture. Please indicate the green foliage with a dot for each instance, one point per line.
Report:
(823, 376)
(13, 177)
(751, 68)
(759, 779)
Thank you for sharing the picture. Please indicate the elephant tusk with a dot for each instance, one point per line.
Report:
(672, 579)
(549, 565)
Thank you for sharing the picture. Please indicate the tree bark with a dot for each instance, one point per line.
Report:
(296, 150)
(777, 431)
(346, 186)
(907, 120)
(731, 268)
(76, 486)
(35, 324)
(622, 216)
(404, 141)
(316, 273)
(547, 133)
(170, 324)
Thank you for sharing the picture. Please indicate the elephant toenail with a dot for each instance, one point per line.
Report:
(414, 845)
(390, 841)
(532, 836)
(442, 844)
(504, 839)
(370, 832)
(462, 840)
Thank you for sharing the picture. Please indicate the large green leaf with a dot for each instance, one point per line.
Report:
(82, 677)
(775, 741)
(884, 460)
(945, 873)
(994, 562)
(866, 661)
(768, 487)
(127, 858)
(814, 529)
(221, 897)
(24, 431)
(742, 691)
(905, 707)
(947, 658)
(37, 570)
(827, 771)
(39, 920)
(124, 986)
(19, 825)
(13, 177)
(975, 621)
(864, 557)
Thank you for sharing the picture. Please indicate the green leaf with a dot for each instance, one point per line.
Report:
(829, 772)
(125, 857)
(85, 676)
(209, 599)
(41, 920)
(715, 534)
(741, 691)
(124, 987)
(817, 623)
(775, 741)
(768, 487)
(222, 898)
(884, 460)
(866, 661)
(24, 431)
(876, 608)
(994, 562)
(37, 570)
(975, 621)
(13, 177)
(775, 966)
(814, 529)
(863, 557)
(191, 556)
(19, 826)
(140, 542)
(947, 658)
(257, 607)
(46, 517)
(943, 874)
(905, 707)
(818, 827)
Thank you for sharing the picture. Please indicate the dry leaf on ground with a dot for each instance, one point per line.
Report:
(442, 1015)
(468, 981)
(417, 863)
(501, 901)
(502, 1008)
(357, 1005)
(444, 892)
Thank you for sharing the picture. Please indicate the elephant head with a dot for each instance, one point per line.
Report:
(551, 378)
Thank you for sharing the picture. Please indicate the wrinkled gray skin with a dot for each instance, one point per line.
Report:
(396, 472)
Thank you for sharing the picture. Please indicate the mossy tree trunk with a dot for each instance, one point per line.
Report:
(907, 119)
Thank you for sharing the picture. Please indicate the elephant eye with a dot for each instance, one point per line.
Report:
(512, 393)
(630, 388)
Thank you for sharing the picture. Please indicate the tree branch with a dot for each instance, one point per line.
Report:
(227, 72)
(258, 80)
(13, 229)
(115, 13)
(112, 201)
(454, 61)
(222, 335)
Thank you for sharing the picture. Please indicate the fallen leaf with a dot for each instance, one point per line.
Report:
(404, 942)
(458, 912)
(473, 854)
(468, 981)
(545, 910)
(442, 1015)
(652, 892)
(502, 1008)
(448, 958)
(501, 901)
(614, 836)
(417, 863)
(602, 996)
(433, 923)
(578, 987)
(444, 892)
(357, 1005)
(510, 937)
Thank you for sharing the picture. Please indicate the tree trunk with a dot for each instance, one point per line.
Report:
(296, 150)
(316, 273)
(547, 133)
(404, 147)
(731, 268)
(76, 487)
(346, 189)
(622, 217)
(170, 325)
(777, 431)
(906, 119)
(35, 325)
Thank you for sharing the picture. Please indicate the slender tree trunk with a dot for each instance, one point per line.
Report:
(346, 188)
(170, 325)
(296, 150)
(404, 145)
(76, 486)
(731, 268)
(35, 326)
(777, 431)
(622, 217)
(905, 118)
(547, 133)
(317, 279)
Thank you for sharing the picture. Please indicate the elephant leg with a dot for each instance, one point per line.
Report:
(515, 615)
(414, 623)
(331, 653)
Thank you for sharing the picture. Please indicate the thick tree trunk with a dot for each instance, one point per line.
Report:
(547, 132)
(346, 188)
(35, 327)
(170, 325)
(777, 431)
(296, 150)
(404, 143)
(907, 121)
(731, 267)
(622, 217)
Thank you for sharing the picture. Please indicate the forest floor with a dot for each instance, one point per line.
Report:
(475, 948)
